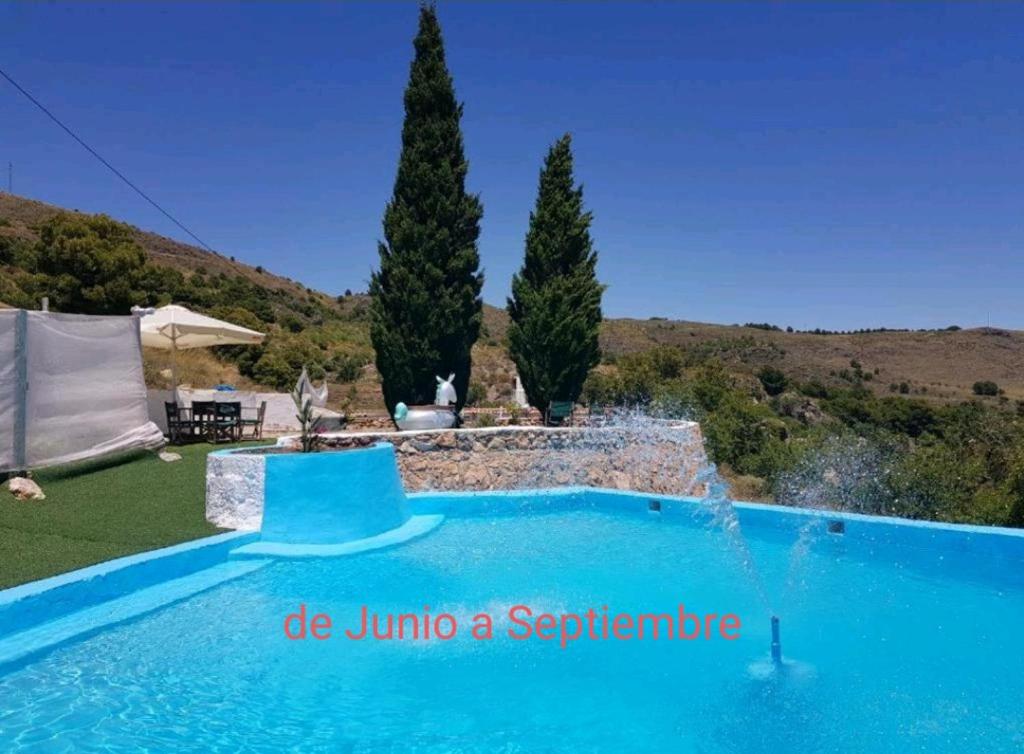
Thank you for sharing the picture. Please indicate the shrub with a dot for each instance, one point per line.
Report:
(666, 361)
(476, 394)
(291, 323)
(346, 367)
(908, 417)
(985, 387)
(94, 264)
(271, 369)
(601, 389)
(772, 380)
(738, 430)
(485, 420)
(310, 427)
(814, 389)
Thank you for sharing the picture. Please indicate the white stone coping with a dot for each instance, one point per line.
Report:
(689, 426)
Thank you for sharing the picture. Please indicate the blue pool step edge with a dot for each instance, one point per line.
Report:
(37, 602)
(24, 646)
(416, 526)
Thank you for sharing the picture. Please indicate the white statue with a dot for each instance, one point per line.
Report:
(446, 394)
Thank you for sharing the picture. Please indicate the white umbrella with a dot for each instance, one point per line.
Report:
(174, 327)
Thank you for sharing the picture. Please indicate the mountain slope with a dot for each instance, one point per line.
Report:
(935, 365)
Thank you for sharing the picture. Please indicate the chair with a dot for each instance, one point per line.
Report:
(227, 423)
(204, 415)
(180, 427)
(557, 413)
(257, 423)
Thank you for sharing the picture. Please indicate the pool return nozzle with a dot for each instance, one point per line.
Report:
(776, 642)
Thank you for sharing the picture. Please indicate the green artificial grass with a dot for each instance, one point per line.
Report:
(102, 510)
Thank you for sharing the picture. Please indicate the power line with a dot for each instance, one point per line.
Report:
(99, 157)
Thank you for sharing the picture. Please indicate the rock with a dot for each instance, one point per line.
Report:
(475, 477)
(168, 456)
(445, 440)
(801, 408)
(25, 489)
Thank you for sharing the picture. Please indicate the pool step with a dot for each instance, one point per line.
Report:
(417, 526)
(20, 646)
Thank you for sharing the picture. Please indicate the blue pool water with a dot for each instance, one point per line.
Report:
(892, 653)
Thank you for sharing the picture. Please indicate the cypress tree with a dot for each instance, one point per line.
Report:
(426, 309)
(556, 299)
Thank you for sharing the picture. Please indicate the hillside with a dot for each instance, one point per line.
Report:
(936, 364)
(20, 218)
(311, 325)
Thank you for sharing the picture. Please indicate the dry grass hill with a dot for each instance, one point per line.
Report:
(935, 365)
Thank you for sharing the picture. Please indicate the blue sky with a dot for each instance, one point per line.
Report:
(831, 165)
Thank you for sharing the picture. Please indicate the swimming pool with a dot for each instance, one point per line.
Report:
(895, 644)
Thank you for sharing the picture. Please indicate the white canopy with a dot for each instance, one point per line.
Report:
(174, 327)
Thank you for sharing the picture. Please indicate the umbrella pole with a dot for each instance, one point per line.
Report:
(174, 368)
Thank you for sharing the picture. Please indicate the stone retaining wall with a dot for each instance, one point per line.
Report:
(648, 457)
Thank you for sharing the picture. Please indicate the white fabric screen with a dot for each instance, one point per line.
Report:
(8, 387)
(86, 394)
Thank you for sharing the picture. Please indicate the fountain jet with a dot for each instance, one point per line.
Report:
(776, 642)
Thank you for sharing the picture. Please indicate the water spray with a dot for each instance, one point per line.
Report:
(776, 642)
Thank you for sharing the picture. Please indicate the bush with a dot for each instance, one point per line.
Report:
(485, 420)
(665, 361)
(738, 431)
(601, 389)
(908, 417)
(94, 264)
(772, 380)
(637, 381)
(985, 387)
(711, 386)
(346, 367)
(476, 394)
(814, 389)
(272, 369)
(282, 359)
